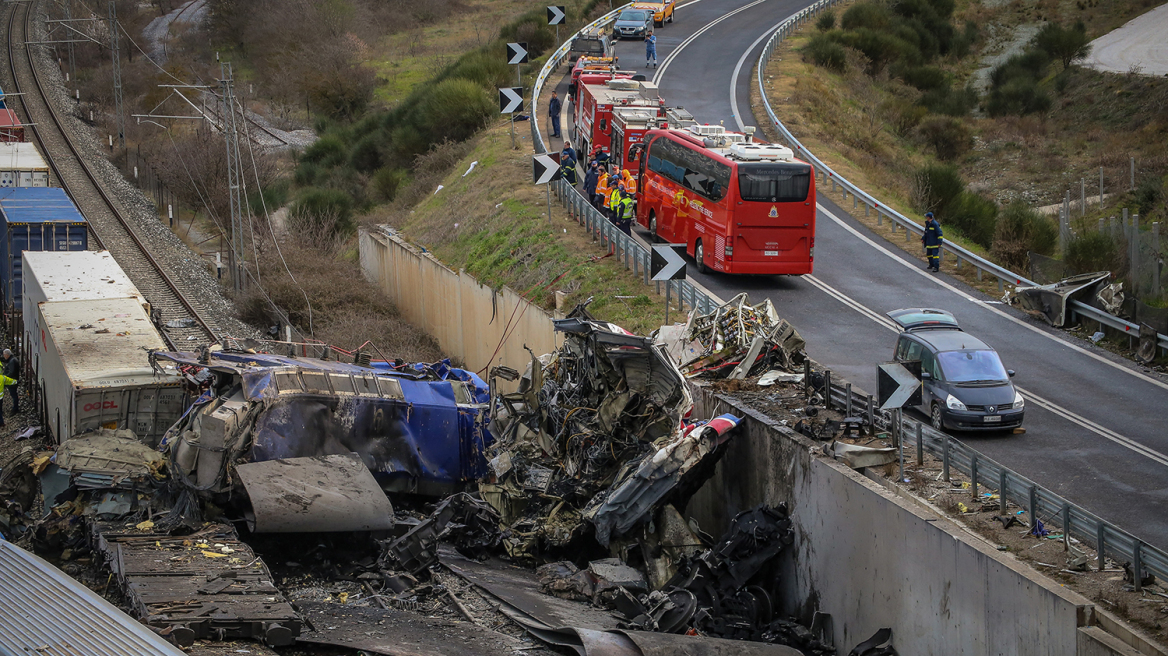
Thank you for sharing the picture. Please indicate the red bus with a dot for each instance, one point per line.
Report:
(737, 205)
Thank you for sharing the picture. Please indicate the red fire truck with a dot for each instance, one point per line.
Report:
(592, 123)
(739, 206)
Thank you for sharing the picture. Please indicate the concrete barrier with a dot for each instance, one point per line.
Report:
(481, 326)
(874, 560)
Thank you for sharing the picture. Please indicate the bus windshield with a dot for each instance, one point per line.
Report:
(774, 183)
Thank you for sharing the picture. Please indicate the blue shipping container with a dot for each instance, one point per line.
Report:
(35, 219)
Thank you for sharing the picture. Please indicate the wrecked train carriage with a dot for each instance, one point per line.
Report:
(580, 414)
(419, 428)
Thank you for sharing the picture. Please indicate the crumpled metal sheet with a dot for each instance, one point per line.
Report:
(659, 473)
(1050, 301)
(470, 524)
(109, 455)
(858, 457)
(399, 633)
(325, 494)
(736, 340)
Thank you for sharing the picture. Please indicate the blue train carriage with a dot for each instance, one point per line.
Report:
(34, 219)
(3, 97)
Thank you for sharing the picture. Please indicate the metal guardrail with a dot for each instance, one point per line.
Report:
(1040, 503)
(628, 250)
(910, 227)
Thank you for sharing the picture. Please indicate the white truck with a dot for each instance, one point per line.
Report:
(95, 372)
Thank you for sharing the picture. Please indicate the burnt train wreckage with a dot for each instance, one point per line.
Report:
(587, 466)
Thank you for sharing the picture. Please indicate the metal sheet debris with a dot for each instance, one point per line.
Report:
(736, 340)
(399, 633)
(1050, 301)
(325, 494)
(858, 457)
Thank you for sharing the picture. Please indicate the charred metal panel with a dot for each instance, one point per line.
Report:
(323, 494)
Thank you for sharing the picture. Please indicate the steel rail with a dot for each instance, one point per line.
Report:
(118, 236)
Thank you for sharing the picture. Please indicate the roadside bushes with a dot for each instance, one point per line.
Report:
(1019, 231)
(323, 211)
(1093, 251)
(826, 21)
(949, 137)
(1064, 44)
(825, 52)
(1017, 86)
(940, 189)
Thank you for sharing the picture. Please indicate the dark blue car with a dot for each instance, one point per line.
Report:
(964, 384)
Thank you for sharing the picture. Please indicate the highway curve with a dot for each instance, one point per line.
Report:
(1097, 426)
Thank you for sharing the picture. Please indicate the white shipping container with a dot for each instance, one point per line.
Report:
(21, 165)
(95, 371)
(51, 276)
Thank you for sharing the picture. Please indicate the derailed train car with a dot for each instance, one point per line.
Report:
(418, 428)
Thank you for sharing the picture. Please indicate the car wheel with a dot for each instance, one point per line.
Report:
(938, 422)
(700, 257)
(671, 17)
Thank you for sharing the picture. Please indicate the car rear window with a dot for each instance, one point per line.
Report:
(633, 15)
(972, 366)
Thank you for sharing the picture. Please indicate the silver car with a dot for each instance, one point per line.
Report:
(632, 24)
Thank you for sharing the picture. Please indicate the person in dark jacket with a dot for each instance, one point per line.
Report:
(554, 107)
(568, 164)
(932, 239)
(590, 180)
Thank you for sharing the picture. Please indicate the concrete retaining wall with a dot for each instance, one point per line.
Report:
(481, 326)
(873, 560)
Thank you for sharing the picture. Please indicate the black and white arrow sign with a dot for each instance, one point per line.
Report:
(516, 53)
(556, 15)
(545, 168)
(666, 264)
(897, 385)
(510, 100)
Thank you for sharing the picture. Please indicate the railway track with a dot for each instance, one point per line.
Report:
(108, 222)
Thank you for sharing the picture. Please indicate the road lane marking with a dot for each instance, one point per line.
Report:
(681, 46)
(1041, 402)
(915, 268)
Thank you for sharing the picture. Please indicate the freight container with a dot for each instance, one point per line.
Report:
(11, 129)
(51, 276)
(96, 373)
(35, 219)
(21, 164)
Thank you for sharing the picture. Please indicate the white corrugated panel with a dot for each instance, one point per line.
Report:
(21, 165)
(43, 611)
(110, 350)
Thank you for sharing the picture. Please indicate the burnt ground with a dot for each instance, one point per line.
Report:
(1048, 556)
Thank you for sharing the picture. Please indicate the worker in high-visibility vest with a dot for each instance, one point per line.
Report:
(612, 187)
(600, 201)
(630, 182)
(626, 209)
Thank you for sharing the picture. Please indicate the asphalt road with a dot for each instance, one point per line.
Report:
(1138, 44)
(1097, 427)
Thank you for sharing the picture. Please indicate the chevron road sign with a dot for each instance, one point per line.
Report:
(556, 15)
(510, 100)
(898, 386)
(516, 53)
(545, 168)
(666, 264)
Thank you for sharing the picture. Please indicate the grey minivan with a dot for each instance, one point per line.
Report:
(965, 386)
(632, 24)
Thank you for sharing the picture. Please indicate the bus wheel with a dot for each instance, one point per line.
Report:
(653, 226)
(700, 257)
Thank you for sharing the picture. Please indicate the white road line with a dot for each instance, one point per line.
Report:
(738, 69)
(668, 60)
(1041, 402)
(918, 270)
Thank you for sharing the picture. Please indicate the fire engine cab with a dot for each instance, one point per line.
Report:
(593, 121)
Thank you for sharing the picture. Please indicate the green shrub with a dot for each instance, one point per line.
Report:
(273, 197)
(1093, 251)
(826, 21)
(867, 14)
(902, 116)
(327, 151)
(324, 212)
(455, 109)
(948, 136)
(948, 101)
(532, 29)
(975, 217)
(386, 182)
(1021, 230)
(487, 69)
(963, 41)
(1148, 194)
(879, 47)
(1019, 96)
(825, 52)
(1063, 44)
(306, 174)
(924, 78)
(1030, 64)
(937, 187)
(366, 154)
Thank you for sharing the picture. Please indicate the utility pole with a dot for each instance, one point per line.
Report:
(234, 179)
(69, 45)
(117, 72)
